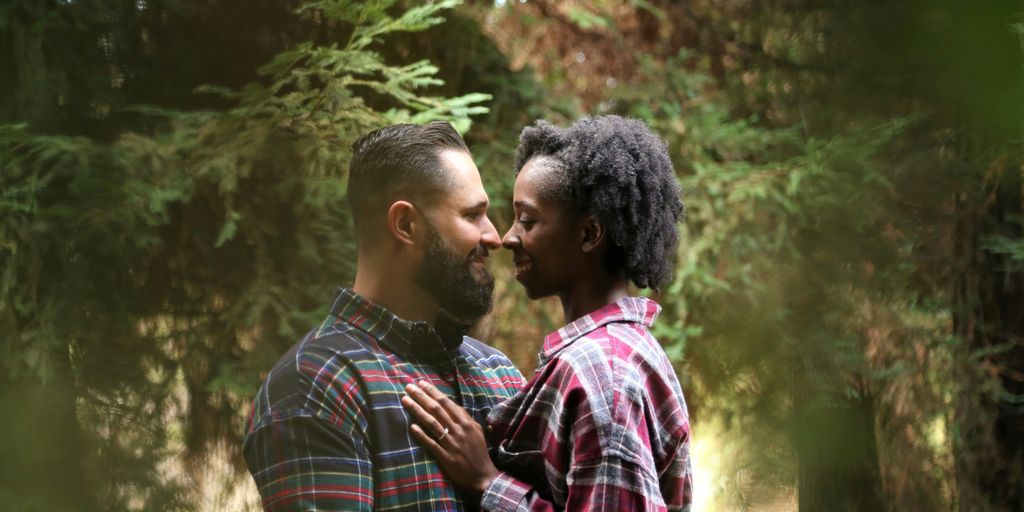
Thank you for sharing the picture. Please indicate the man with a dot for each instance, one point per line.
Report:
(328, 431)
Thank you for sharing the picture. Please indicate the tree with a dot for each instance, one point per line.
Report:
(988, 299)
(148, 280)
(813, 303)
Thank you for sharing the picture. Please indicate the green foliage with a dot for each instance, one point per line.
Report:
(157, 275)
(787, 277)
(588, 20)
(1011, 247)
(823, 320)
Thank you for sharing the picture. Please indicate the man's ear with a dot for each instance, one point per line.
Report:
(404, 222)
(593, 234)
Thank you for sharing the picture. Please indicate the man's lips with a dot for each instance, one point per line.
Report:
(478, 255)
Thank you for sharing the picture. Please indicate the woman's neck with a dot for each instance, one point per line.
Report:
(592, 294)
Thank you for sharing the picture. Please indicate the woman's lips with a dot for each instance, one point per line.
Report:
(522, 266)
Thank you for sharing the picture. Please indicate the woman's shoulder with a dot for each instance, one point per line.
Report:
(616, 360)
(596, 363)
(614, 342)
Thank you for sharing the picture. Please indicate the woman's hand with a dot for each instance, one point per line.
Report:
(452, 435)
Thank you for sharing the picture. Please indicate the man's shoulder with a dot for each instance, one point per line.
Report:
(492, 362)
(321, 351)
(338, 335)
(324, 345)
(325, 358)
(477, 349)
(484, 355)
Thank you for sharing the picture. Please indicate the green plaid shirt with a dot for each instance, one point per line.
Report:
(327, 430)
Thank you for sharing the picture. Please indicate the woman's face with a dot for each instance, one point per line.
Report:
(545, 241)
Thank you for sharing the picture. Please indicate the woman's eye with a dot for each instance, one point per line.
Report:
(527, 222)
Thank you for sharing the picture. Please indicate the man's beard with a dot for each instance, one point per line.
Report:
(450, 279)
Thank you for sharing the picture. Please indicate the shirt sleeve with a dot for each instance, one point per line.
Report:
(313, 454)
(609, 483)
(610, 465)
(677, 479)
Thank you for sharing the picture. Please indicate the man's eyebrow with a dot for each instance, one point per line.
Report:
(478, 206)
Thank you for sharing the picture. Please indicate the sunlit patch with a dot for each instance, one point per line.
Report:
(706, 460)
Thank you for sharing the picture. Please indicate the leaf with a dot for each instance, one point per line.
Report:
(228, 229)
(588, 20)
(355, 13)
(415, 19)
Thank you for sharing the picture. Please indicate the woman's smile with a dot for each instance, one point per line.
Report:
(522, 265)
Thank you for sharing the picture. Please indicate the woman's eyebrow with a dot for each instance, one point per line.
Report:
(522, 203)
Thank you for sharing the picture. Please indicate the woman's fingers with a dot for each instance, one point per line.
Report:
(429, 423)
(451, 408)
(426, 441)
(461, 450)
(427, 412)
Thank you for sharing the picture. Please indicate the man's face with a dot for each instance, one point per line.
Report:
(459, 238)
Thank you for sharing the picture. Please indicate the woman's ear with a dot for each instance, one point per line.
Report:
(403, 222)
(594, 234)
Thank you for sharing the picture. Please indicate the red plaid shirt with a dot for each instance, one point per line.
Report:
(602, 425)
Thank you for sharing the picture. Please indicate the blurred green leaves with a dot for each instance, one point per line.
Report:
(148, 280)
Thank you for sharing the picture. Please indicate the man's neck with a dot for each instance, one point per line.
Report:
(395, 291)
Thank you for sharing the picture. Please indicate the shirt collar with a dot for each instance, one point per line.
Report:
(411, 340)
(637, 310)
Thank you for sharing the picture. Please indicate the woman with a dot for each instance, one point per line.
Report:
(602, 424)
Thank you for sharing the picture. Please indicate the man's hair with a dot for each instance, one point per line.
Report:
(618, 170)
(399, 162)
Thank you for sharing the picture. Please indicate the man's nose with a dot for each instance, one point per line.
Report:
(489, 237)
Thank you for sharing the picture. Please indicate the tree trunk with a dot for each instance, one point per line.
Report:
(989, 293)
(34, 86)
(41, 443)
(837, 456)
(990, 320)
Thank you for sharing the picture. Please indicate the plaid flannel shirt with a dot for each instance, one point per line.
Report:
(327, 430)
(602, 425)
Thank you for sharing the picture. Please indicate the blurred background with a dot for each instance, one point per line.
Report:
(847, 314)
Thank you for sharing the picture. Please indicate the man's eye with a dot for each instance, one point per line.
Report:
(527, 222)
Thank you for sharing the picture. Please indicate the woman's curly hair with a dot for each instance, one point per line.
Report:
(618, 170)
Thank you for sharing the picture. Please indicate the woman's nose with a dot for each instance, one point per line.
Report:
(511, 239)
